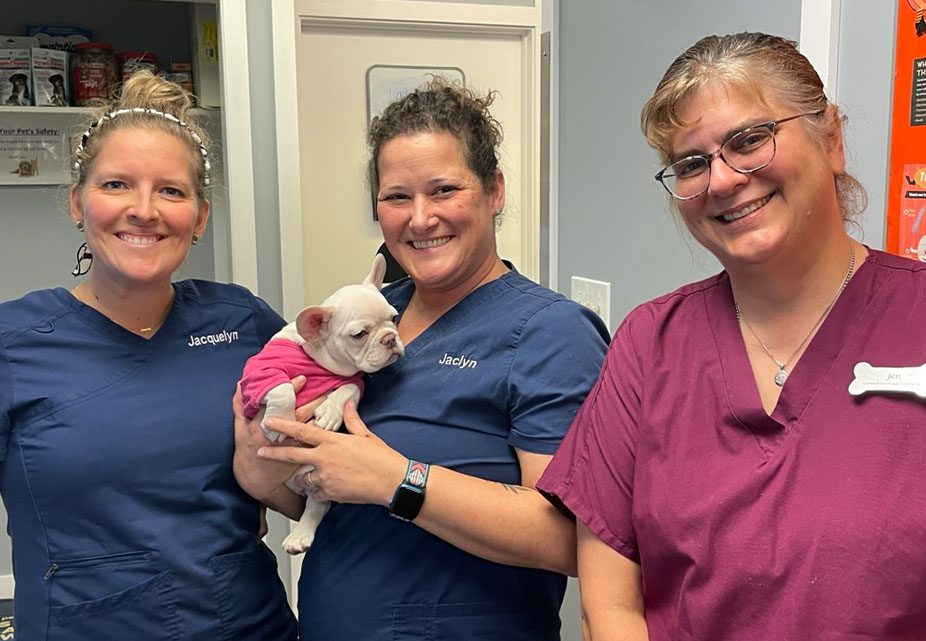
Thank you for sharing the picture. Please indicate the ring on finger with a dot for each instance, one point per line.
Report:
(308, 478)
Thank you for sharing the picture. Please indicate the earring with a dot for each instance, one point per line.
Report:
(83, 254)
(80, 225)
(195, 239)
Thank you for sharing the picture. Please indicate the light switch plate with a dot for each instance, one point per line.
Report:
(594, 294)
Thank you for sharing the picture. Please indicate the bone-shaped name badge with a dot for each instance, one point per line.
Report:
(888, 379)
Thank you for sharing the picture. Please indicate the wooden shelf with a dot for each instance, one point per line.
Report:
(5, 109)
(9, 109)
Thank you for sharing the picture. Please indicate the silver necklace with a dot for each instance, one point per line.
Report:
(782, 374)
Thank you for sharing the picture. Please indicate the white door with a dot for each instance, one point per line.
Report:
(334, 55)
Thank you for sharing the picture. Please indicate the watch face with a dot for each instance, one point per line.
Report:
(407, 502)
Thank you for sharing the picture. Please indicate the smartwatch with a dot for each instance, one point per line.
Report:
(409, 496)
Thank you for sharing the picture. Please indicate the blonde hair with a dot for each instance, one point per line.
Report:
(765, 66)
(168, 106)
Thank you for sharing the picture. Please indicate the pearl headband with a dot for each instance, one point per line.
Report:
(153, 112)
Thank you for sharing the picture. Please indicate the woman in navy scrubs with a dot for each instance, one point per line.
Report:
(437, 531)
(115, 428)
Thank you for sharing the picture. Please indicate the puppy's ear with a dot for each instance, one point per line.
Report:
(312, 323)
(377, 272)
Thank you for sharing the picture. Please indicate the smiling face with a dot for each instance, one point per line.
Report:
(139, 208)
(777, 210)
(437, 219)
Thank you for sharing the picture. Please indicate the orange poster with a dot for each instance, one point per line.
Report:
(906, 200)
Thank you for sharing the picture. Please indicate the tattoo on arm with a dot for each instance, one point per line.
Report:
(516, 489)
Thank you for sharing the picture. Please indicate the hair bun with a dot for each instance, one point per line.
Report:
(145, 89)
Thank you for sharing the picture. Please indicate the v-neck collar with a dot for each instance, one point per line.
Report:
(808, 373)
(106, 326)
(457, 314)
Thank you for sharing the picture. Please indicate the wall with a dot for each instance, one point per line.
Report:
(864, 87)
(263, 141)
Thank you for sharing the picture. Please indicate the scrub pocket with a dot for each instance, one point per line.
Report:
(111, 597)
(250, 597)
(468, 621)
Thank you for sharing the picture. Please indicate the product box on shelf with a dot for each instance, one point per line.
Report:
(50, 77)
(58, 36)
(15, 88)
(182, 74)
(94, 73)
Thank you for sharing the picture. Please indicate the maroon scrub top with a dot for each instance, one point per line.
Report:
(806, 524)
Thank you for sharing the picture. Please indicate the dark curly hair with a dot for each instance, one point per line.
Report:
(441, 106)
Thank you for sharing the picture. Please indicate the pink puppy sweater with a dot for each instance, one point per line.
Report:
(280, 361)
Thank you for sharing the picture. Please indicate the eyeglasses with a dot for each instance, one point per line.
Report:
(745, 152)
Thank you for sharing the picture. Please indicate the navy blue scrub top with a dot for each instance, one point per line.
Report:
(506, 368)
(124, 513)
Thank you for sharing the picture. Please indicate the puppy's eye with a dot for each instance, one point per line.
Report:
(360, 334)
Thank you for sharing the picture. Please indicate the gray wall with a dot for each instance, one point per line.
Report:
(864, 90)
(263, 142)
(263, 149)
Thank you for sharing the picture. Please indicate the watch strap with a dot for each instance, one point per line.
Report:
(409, 495)
(417, 473)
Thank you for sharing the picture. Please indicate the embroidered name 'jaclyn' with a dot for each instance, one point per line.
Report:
(461, 362)
(213, 339)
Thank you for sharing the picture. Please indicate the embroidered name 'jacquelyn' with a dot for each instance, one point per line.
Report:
(461, 362)
(213, 339)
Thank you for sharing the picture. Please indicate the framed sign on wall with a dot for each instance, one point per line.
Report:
(34, 148)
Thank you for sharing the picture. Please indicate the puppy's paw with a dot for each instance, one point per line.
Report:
(329, 415)
(269, 434)
(299, 540)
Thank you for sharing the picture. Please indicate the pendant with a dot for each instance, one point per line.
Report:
(780, 377)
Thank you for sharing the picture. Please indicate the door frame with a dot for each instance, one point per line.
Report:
(819, 39)
(240, 229)
(289, 17)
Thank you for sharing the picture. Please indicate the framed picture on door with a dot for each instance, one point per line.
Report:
(388, 83)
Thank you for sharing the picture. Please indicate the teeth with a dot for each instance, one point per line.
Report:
(425, 244)
(138, 240)
(748, 209)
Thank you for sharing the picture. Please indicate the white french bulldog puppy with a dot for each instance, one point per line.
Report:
(352, 332)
